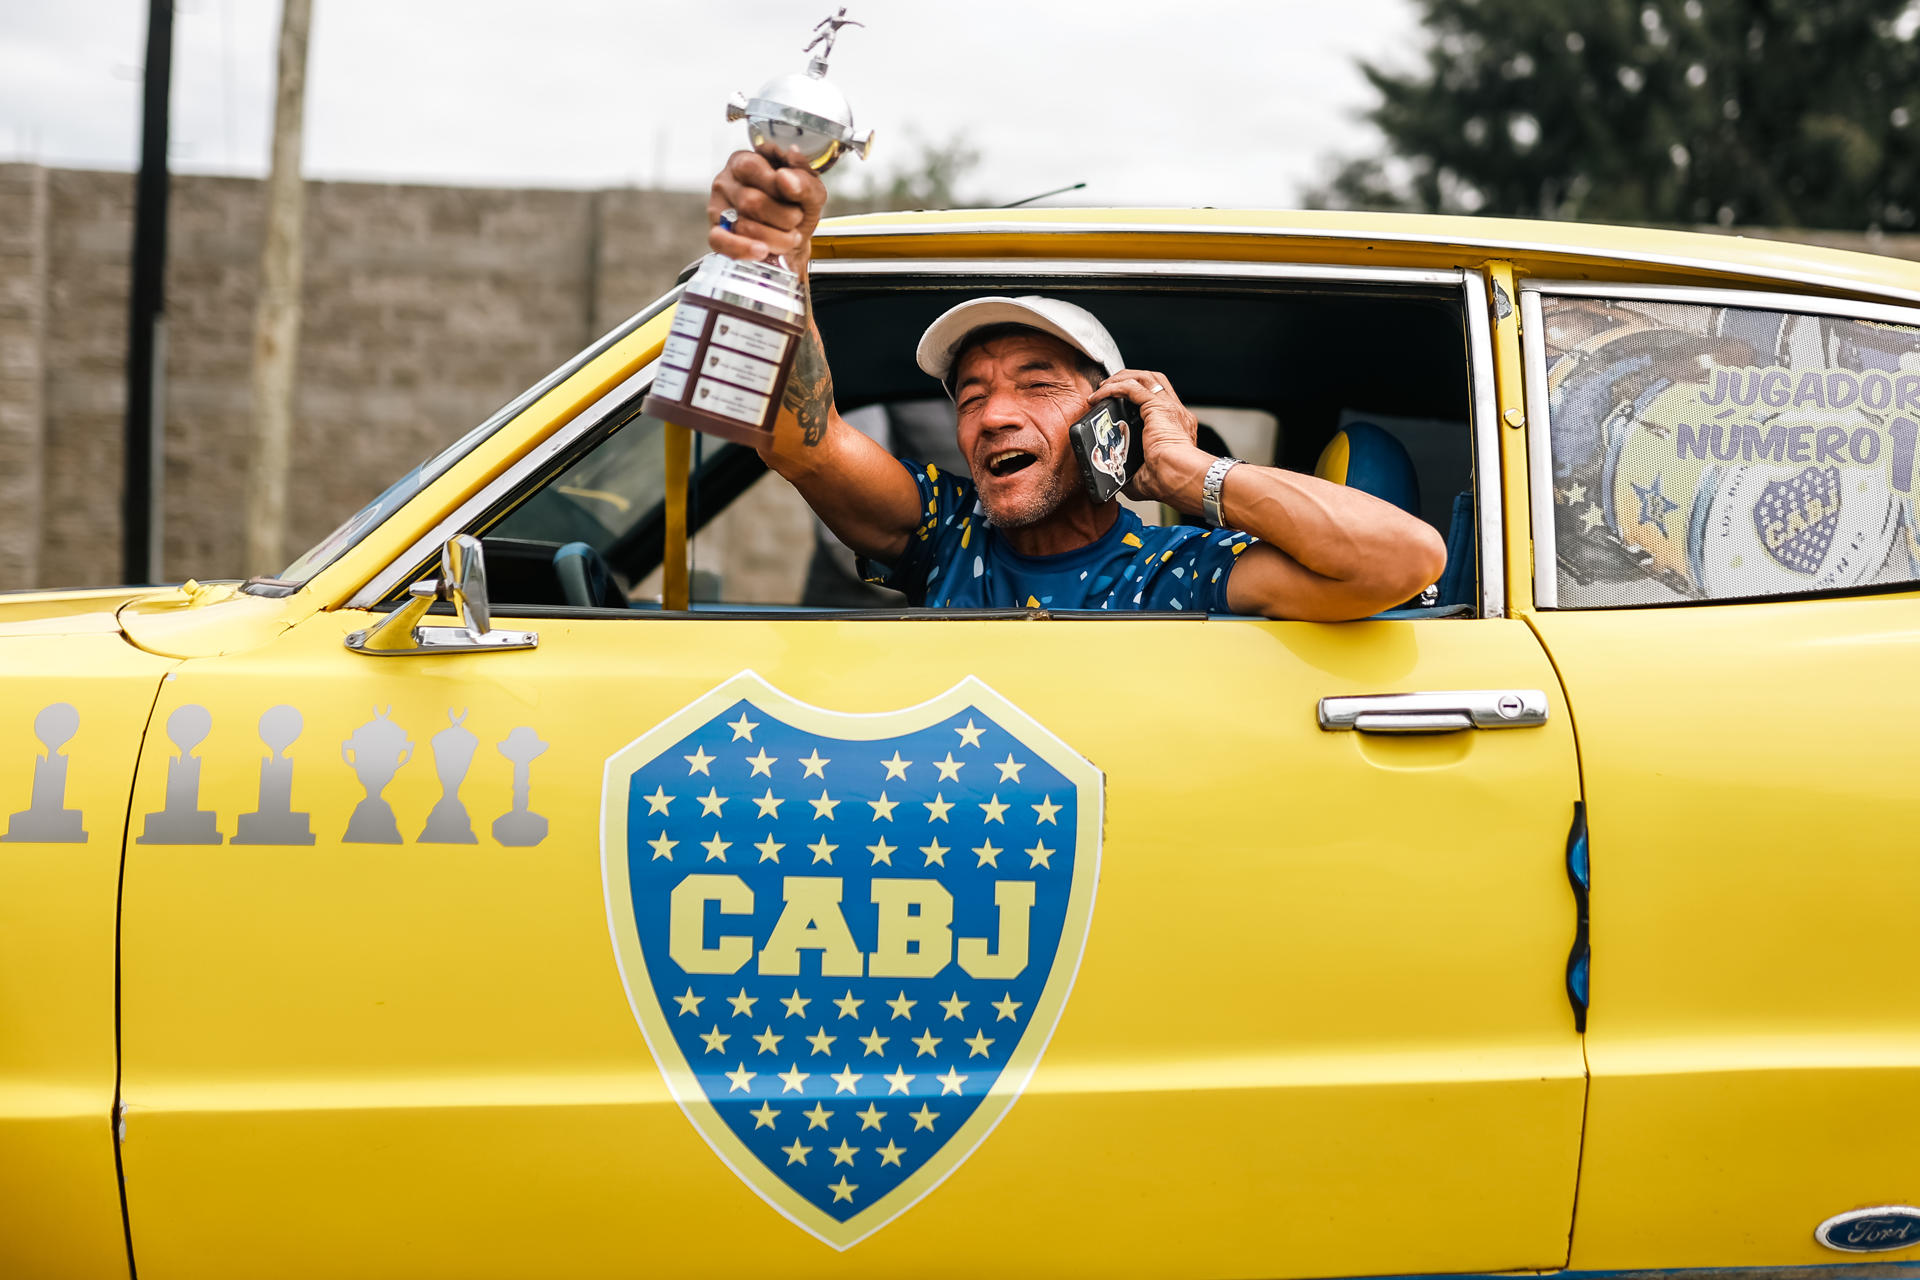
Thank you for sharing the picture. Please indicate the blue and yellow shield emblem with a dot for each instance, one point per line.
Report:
(848, 938)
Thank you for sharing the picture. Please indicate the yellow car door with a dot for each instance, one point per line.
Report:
(715, 944)
(74, 698)
(1725, 534)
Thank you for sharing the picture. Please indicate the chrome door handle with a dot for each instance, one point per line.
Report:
(1435, 712)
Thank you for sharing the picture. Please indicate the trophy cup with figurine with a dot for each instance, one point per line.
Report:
(738, 326)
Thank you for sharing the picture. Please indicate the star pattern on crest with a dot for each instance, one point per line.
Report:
(783, 795)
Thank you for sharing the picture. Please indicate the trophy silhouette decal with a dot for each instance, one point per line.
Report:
(453, 749)
(274, 821)
(46, 819)
(376, 750)
(519, 827)
(183, 821)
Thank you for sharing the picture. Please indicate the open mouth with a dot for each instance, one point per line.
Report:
(1008, 461)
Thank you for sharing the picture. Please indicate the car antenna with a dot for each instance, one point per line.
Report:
(1043, 195)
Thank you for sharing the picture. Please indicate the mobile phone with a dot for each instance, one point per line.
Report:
(1106, 442)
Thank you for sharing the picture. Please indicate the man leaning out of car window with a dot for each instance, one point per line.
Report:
(1024, 532)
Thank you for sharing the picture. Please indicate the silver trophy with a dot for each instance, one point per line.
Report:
(739, 324)
(802, 112)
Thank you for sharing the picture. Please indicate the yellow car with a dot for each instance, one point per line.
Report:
(462, 903)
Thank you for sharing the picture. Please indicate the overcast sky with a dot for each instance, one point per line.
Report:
(1222, 102)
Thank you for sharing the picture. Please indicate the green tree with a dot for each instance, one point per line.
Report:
(1752, 112)
(928, 178)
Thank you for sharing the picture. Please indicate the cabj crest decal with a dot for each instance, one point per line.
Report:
(1797, 518)
(848, 938)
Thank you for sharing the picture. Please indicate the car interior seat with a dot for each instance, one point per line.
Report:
(1369, 458)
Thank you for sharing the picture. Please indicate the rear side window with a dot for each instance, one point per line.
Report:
(1699, 451)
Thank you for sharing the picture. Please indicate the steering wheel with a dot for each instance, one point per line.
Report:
(586, 579)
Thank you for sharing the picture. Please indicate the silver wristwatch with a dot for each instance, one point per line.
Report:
(1210, 489)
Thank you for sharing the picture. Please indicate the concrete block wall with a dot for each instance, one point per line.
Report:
(23, 375)
(424, 310)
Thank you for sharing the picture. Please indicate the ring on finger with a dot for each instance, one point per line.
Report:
(727, 218)
(1155, 389)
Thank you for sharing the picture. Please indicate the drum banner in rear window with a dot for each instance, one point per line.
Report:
(1726, 453)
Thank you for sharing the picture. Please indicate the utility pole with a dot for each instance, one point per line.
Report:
(146, 316)
(276, 317)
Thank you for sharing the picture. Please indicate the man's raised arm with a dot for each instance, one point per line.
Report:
(1327, 552)
(864, 495)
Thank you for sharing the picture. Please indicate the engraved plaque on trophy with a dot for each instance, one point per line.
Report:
(738, 326)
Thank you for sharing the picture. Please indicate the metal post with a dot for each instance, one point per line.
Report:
(146, 320)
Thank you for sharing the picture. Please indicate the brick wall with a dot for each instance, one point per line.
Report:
(425, 309)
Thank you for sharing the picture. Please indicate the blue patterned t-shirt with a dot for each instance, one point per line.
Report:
(957, 559)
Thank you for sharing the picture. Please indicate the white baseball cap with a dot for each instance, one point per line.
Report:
(1073, 325)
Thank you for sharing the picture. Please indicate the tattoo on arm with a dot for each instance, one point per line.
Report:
(809, 393)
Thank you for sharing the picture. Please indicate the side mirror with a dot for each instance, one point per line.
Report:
(463, 584)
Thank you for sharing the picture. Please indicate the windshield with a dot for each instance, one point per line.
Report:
(324, 552)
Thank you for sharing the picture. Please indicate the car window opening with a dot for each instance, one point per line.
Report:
(1366, 384)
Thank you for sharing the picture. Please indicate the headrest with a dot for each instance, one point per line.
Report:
(1366, 457)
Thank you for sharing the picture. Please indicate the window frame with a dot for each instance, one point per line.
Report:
(1481, 408)
(1546, 574)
